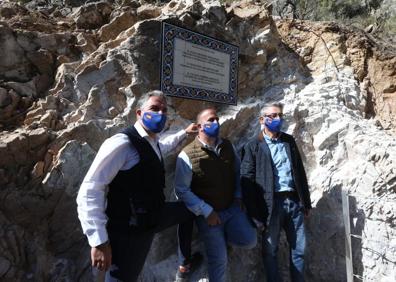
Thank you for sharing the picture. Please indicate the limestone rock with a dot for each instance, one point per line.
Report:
(38, 169)
(4, 266)
(23, 89)
(148, 11)
(10, 9)
(93, 15)
(5, 99)
(92, 75)
(217, 14)
(11, 99)
(248, 10)
(86, 43)
(131, 3)
(118, 24)
(98, 59)
(370, 65)
(13, 63)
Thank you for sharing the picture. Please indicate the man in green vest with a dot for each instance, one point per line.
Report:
(207, 180)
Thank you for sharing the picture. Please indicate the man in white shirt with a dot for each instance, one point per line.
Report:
(121, 204)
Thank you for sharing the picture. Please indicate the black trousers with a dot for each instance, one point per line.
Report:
(184, 234)
(130, 248)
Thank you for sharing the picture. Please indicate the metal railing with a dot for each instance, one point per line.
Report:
(348, 235)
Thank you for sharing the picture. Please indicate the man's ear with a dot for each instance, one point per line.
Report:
(138, 112)
(261, 119)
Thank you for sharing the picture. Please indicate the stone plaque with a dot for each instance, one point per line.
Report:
(197, 66)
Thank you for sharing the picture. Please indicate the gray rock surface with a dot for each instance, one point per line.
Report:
(67, 82)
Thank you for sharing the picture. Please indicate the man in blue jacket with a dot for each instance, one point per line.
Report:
(275, 191)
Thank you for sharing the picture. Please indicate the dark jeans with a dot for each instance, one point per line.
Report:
(288, 214)
(130, 248)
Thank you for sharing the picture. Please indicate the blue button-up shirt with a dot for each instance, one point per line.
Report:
(183, 178)
(283, 179)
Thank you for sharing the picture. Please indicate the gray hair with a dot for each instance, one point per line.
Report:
(267, 106)
(146, 96)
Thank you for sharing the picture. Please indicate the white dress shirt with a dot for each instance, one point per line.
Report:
(116, 153)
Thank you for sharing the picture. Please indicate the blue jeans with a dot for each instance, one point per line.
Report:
(288, 214)
(235, 229)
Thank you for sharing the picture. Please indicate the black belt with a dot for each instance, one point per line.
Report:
(286, 194)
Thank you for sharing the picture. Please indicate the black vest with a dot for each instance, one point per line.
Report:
(136, 195)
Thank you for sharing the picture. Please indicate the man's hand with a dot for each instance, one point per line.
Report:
(101, 256)
(191, 129)
(240, 204)
(213, 219)
(259, 225)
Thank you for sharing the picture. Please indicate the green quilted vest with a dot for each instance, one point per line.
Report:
(213, 177)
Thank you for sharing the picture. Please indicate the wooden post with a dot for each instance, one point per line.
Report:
(348, 245)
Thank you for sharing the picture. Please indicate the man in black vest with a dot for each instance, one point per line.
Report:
(207, 181)
(275, 191)
(128, 174)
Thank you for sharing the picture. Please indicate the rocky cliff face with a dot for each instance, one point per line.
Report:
(70, 77)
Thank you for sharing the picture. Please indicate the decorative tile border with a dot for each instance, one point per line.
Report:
(169, 34)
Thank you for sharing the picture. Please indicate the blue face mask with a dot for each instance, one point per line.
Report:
(211, 129)
(274, 125)
(153, 121)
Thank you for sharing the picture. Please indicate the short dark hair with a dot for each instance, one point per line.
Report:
(204, 110)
